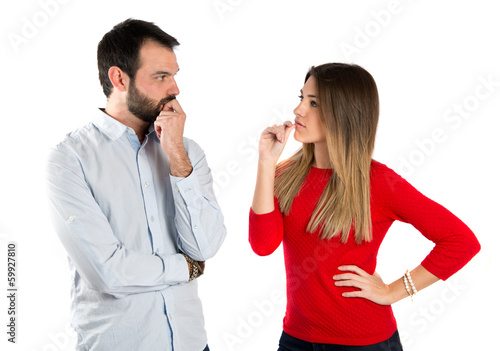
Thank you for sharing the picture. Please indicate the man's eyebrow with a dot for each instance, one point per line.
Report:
(157, 73)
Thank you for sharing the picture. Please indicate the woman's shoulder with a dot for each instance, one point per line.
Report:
(383, 177)
(377, 168)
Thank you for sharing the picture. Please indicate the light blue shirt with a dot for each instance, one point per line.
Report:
(123, 219)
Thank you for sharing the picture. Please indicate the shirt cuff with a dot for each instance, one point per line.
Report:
(177, 269)
(185, 188)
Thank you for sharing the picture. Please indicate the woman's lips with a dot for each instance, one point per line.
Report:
(298, 124)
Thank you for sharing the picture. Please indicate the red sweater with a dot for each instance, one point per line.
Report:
(316, 311)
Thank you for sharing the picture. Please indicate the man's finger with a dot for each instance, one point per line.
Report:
(157, 129)
(173, 105)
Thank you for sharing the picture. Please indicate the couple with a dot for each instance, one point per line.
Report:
(133, 205)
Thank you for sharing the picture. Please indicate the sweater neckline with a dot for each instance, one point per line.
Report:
(316, 169)
(319, 173)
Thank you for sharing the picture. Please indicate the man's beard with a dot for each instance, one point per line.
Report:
(143, 107)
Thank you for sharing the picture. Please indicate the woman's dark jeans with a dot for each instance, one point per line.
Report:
(289, 343)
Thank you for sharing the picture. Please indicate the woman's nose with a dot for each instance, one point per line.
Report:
(299, 110)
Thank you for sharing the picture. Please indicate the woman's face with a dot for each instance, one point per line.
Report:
(308, 126)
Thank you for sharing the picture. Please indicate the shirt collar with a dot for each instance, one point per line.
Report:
(108, 125)
(114, 129)
(152, 133)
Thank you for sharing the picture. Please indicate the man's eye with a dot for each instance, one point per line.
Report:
(160, 77)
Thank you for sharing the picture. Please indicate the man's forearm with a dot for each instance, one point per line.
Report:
(180, 165)
(199, 220)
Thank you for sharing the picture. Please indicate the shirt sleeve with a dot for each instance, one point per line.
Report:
(455, 243)
(266, 231)
(103, 262)
(198, 217)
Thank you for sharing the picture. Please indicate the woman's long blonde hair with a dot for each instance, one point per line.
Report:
(348, 105)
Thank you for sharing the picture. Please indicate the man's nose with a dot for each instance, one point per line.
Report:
(173, 89)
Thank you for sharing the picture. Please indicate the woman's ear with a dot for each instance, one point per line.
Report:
(118, 78)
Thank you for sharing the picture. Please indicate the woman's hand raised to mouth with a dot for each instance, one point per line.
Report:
(273, 140)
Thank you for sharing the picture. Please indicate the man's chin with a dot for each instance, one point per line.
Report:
(144, 118)
(151, 119)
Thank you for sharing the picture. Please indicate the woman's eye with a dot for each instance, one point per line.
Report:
(313, 103)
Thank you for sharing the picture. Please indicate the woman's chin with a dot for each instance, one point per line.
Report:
(297, 137)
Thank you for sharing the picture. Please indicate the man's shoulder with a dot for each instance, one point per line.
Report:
(70, 149)
(99, 124)
(76, 143)
(76, 135)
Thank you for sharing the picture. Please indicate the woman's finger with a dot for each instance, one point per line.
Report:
(351, 283)
(289, 126)
(355, 269)
(275, 131)
(358, 293)
(346, 276)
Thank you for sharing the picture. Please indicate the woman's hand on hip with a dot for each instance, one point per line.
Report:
(371, 287)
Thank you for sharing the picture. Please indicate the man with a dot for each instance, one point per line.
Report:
(133, 204)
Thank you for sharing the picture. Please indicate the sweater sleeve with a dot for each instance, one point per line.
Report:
(266, 231)
(455, 243)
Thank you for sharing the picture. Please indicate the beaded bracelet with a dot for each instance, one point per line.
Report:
(410, 287)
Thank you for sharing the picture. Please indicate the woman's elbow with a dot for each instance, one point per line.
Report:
(262, 250)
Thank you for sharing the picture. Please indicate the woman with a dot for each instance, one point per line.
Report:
(331, 206)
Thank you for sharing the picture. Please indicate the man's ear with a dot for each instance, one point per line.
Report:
(118, 78)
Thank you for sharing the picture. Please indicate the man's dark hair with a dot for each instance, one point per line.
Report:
(120, 47)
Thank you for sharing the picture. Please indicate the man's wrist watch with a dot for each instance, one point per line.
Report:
(194, 271)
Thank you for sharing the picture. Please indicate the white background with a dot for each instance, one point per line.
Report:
(242, 66)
